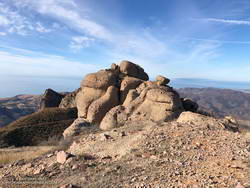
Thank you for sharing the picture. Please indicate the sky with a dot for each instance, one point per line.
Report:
(54, 43)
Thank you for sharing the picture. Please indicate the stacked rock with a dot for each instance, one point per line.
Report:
(110, 97)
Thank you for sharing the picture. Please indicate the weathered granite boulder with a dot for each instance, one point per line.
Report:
(133, 70)
(98, 109)
(100, 80)
(110, 97)
(127, 84)
(69, 100)
(116, 117)
(76, 127)
(161, 80)
(85, 97)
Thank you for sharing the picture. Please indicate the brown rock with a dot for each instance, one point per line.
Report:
(39, 170)
(133, 70)
(200, 120)
(189, 105)
(76, 127)
(127, 84)
(132, 95)
(69, 100)
(100, 80)
(50, 99)
(114, 118)
(62, 156)
(230, 123)
(98, 109)
(161, 80)
(114, 67)
(156, 104)
(85, 97)
(160, 95)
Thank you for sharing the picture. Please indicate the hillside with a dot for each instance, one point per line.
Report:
(220, 102)
(14, 107)
(37, 127)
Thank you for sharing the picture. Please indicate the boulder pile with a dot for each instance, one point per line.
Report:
(108, 98)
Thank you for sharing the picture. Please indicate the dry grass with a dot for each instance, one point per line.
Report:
(27, 153)
(244, 126)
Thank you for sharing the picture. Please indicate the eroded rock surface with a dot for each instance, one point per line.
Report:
(50, 99)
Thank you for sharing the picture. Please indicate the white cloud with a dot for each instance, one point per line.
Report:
(80, 42)
(219, 41)
(40, 28)
(29, 63)
(2, 34)
(202, 52)
(4, 20)
(225, 21)
(14, 22)
(67, 11)
(147, 47)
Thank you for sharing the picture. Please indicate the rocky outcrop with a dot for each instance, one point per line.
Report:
(76, 127)
(116, 117)
(100, 80)
(153, 103)
(98, 109)
(161, 80)
(130, 69)
(189, 105)
(198, 119)
(112, 96)
(50, 99)
(127, 84)
(228, 122)
(69, 100)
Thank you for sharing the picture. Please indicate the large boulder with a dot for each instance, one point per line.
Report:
(160, 105)
(100, 80)
(127, 84)
(85, 97)
(154, 103)
(76, 127)
(191, 118)
(189, 105)
(132, 95)
(161, 80)
(50, 99)
(130, 69)
(98, 109)
(116, 117)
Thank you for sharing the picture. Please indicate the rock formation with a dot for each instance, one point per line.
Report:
(110, 97)
(50, 99)
(69, 100)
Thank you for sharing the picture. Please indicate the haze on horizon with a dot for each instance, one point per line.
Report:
(66, 39)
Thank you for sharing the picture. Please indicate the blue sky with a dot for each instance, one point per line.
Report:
(206, 39)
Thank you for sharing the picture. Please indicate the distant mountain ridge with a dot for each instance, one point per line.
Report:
(205, 83)
(14, 107)
(220, 102)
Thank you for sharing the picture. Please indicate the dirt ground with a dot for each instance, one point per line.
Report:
(145, 155)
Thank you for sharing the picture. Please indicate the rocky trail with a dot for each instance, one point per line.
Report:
(147, 155)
